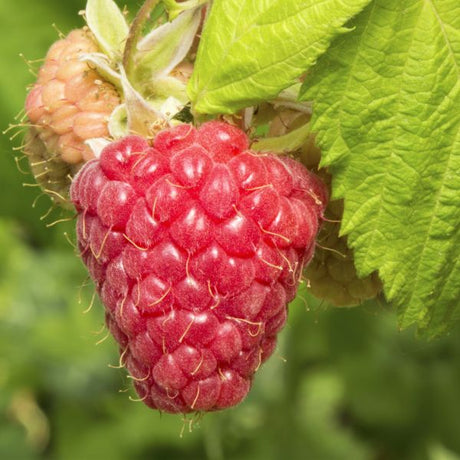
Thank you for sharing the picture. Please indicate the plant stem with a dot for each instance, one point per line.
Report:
(286, 143)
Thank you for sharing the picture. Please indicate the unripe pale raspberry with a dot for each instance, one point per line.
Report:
(69, 103)
(196, 246)
(332, 274)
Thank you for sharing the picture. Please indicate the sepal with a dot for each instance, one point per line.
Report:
(97, 144)
(159, 52)
(108, 25)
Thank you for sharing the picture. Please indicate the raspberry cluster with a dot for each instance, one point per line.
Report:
(196, 246)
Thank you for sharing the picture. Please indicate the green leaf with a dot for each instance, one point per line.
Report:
(252, 49)
(386, 113)
(108, 25)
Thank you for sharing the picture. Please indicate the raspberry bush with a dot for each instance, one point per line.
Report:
(197, 232)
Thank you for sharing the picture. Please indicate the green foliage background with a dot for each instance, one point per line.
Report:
(344, 384)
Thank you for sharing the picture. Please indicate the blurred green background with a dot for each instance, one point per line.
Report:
(343, 384)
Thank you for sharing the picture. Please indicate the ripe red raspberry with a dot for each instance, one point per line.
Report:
(196, 246)
(69, 103)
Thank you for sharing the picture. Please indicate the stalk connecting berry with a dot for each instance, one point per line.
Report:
(196, 246)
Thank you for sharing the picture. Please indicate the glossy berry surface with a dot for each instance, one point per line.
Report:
(196, 246)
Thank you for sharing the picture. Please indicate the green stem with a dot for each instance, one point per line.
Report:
(289, 142)
(135, 33)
